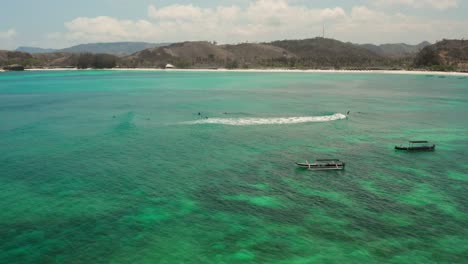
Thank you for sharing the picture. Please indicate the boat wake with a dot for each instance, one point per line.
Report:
(266, 121)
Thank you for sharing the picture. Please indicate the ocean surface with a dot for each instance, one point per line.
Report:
(198, 167)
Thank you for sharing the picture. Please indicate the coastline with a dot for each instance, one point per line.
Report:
(267, 71)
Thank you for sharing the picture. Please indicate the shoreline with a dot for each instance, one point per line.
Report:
(266, 71)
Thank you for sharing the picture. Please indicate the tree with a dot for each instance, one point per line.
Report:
(96, 61)
(427, 57)
(232, 64)
(102, 61)
(182, 64)
(85, 60)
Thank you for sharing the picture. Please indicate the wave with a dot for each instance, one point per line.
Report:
(266, 121)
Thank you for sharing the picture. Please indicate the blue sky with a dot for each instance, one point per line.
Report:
(62, 23)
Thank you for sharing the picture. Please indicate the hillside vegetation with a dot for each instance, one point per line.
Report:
(308, 53)
(316, 53)
(184, 55)
(445, 55)
(15, 57)
(321, 52)
(83, 60)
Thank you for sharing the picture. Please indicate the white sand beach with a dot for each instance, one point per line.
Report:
(419, 72)
(303, 71)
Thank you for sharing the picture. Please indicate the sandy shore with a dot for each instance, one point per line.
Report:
(54, 69)
(274, 70)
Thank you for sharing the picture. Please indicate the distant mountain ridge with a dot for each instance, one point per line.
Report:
(396, 50)
(33, 50)
(114, 48)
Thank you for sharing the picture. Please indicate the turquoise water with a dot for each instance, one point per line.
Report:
(118, 167)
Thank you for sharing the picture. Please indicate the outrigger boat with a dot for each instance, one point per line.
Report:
(416, 146)
(323, 164)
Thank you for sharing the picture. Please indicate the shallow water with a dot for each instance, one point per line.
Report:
(120, 167)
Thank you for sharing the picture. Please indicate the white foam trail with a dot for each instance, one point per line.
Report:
(266, 121)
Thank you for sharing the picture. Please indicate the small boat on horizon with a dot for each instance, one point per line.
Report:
(417, 145)
(323, 164)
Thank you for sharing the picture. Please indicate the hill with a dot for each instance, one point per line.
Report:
(323, 52)
(308, 53)
(57, 59)
(317, 53)
(114, 48)
(444, 55)
(14, 57)
(247, 55)
(399, 50)
(202, 54)
(183, 55)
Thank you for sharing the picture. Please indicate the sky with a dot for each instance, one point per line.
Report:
(63, 23)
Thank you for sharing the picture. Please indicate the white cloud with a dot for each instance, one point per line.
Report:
(368, 25)
(104, 29)
(364, 14)
(179, 12)
(435, 4)
(262, 20)
(109, 28)
(8, 35)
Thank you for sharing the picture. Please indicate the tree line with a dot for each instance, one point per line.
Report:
(95, 61)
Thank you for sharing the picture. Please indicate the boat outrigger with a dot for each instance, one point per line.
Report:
(420, 145)
(323, 164)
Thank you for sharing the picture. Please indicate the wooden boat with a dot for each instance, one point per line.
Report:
(420, 145)
(323, 164)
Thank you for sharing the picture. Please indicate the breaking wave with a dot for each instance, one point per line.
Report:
(266, 121)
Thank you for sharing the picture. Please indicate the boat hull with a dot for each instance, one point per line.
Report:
(315, 166)
(426, 148)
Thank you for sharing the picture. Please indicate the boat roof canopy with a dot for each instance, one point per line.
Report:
(419, 141)
(328, 160)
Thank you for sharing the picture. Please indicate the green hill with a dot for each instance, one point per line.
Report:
(183, 55)
(444, 55)
(316, 53)
(308, 53)
(323, 52)
(14, 57)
